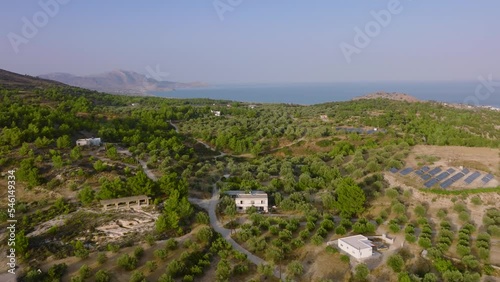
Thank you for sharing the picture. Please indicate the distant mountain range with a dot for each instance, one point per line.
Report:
(12, 80)
(120, 82)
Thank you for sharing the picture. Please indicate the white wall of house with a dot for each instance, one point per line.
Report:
(357, 253)
(89, 142)
(261, 203)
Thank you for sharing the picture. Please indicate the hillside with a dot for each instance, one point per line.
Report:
(120, 82)
(391, 96)
(11, 80)
(326, 172)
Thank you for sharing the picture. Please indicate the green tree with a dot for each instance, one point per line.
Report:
(223, 270)
(21, 246)
(361, 272)
(127, 262)
(86, 195)
(80, 250)
(100, 166)
(85, 271)
(137, 276)
(75, 153)
(102, 276)
(350, 198)
(63, 142)
(396, 263)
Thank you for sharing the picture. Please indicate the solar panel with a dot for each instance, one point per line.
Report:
(472, 177)
(394, 170)
(446, 184)
(487, 178)
(406, 171)
(442, 176)
(450, 170)
(452, 180)
(435, 171)
(419, 172)
(465, 170)
(431, 183)
(425, 168)
(425, 177)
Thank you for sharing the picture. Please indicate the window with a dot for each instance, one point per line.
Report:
(262, 201)
(241, 202)
(252, 202)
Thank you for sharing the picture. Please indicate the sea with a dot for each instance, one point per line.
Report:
(317, 93)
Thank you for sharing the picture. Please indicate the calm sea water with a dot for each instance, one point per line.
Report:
(315, 93)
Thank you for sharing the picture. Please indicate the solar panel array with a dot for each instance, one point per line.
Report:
(431, 183)
(436, 175)
(442, 176)
(406, 171)
(425, 177)
(472, 177)
(487, 178)
(435, 171)
(452, 180)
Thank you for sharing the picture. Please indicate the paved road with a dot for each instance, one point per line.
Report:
(210, 205)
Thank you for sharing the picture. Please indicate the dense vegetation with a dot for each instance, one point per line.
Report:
(325, 175)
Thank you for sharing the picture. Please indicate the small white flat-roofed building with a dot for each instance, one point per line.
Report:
(358, 246)
(89, 142)
(244, 200)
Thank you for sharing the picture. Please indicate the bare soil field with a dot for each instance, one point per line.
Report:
(483, 160)
(318, 264)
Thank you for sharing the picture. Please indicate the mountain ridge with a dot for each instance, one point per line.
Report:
(119, 82)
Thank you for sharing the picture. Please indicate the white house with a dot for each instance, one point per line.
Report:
(89, 142)
(244, 200)
(357, 246)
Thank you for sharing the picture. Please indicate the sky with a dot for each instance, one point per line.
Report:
(257, 41)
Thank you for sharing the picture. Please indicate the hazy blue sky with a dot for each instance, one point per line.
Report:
(257, 41)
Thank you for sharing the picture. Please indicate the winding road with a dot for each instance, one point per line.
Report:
(210, 206)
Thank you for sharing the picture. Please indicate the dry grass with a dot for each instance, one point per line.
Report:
(318, 264)
(484, 159)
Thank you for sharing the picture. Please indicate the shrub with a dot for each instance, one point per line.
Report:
(161, 254)
(138, 252)
(171, 244)
(476, 200)
(396, 263)
(151, 266)
(101, 258)
(394, 227)
(464, 216)
(317, 240)
(85, 271)
(127, 262)
(361, 272)
(340, 230)
(137, 276)
(202, 218)
(345, 258)
(420, 210)
(295, 268)
(102, 276)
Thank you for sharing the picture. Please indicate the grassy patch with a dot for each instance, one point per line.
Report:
(462, 192)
